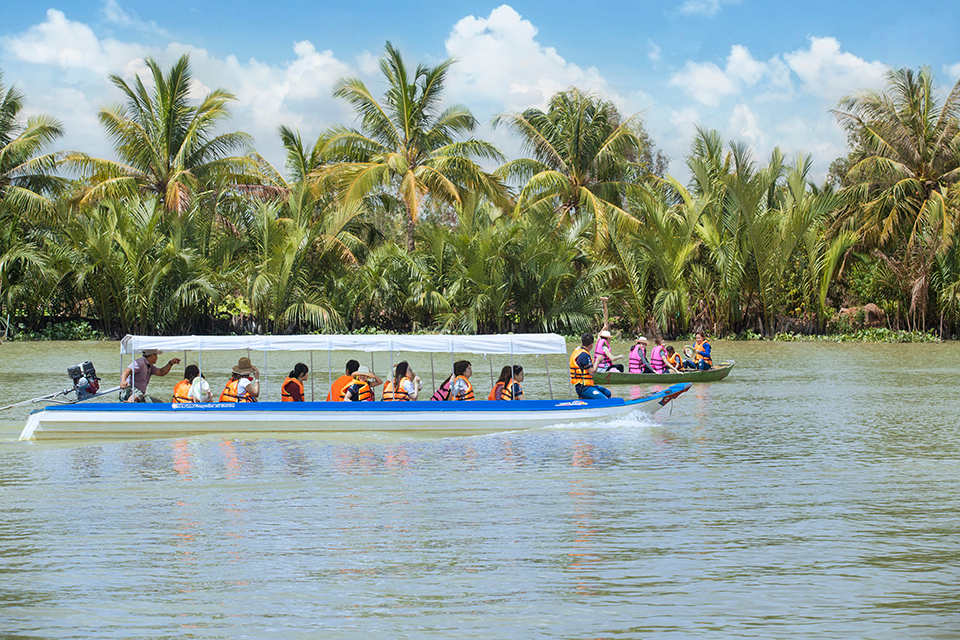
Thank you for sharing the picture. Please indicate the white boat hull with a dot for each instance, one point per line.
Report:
(126, 421)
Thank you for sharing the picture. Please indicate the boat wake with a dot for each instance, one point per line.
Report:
(633, 420)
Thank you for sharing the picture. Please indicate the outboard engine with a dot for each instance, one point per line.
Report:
(85, 380)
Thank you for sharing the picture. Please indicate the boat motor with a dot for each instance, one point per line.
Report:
(85, 380)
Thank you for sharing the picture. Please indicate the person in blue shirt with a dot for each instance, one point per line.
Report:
(582, 369)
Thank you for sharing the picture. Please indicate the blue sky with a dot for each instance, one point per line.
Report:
(763, 73)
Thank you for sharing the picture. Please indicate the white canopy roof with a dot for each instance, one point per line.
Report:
(520, 343)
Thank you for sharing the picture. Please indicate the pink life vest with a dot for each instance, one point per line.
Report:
(656, 360)
(636, 364)
(443, 392)
(603, 362)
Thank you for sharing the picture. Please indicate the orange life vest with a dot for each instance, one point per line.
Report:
(230, 394)
(390, 395)
(578, 375)
(508, 391)
(493, 392)
(676, 361)
(469, 393)
(361, 391)
(181, 392)
(286, 396)
(701, 353)
(336, 391)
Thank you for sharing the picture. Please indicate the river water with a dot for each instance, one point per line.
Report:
(812, 494)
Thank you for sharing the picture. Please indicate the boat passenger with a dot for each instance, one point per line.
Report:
(361, 387)
(292, 388)
(639, 363)
(674, 361)
(405, 385)
(657, 359)
(506, 374)
(181, 391)
(602, 356)
(136, 377)
(244, 384)
(461, 389)
(513, 390)
(582, 369)
(200, 389)
(701, 354)
(444, 391)
(336, 391)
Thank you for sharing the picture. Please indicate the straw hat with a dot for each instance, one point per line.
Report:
(361, 372)
(151, 352)
(605, 334)
(641, 339)
(244, 367)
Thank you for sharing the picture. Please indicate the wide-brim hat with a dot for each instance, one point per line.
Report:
(641, 339)
(151, 352)
(244, 367)
(605, 334)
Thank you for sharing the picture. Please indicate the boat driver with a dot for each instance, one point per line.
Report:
(136, 377)
(582, 369)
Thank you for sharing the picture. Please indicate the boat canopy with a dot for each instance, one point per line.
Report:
(517, 344)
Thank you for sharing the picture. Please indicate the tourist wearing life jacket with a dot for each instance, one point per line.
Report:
(336, 391)
(360, 390)
(181, 392)
(512, 390)
(602, 356)
(657, 356)
(639, 363)
(292, 388)
(405, 385)
(445, 391)
(461, 389)
(506, 374)
(701, 354)
(582, 370)
(674, 361)
(244, 383)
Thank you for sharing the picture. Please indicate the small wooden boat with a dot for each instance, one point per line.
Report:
(715, 374)
(161, 420)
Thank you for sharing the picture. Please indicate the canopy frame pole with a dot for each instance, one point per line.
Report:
(493, 382)
(313, 396)
(511, 369)
(330, 373)
(264, 373)
(433, 381)
(546, 363)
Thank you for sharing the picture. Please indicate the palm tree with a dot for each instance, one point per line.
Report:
(167, 147)
(584, 160)
(26, 174)
(406, 145)
(903, 172)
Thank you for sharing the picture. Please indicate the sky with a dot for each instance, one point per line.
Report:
(766, 74)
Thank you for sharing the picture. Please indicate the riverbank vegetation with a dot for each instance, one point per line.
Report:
(404, 220)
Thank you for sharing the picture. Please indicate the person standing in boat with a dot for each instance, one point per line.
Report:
(361, 389)
(405, 385)
(136, 377)
(639, 362)
(292, 388)
(244, 383)
(582, 370)
(701, 354)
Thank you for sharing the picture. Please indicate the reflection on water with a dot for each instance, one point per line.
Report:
(792, 500)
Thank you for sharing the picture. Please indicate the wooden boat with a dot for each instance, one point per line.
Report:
(161, 420)
(718, 372)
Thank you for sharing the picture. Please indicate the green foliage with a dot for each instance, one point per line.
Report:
(70, 330)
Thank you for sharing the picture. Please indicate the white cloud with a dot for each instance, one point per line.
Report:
(707, 83)
(831, 74)
(503, 67)
(706, 8)
(744, 125)
(953, 73)
(655, 52)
